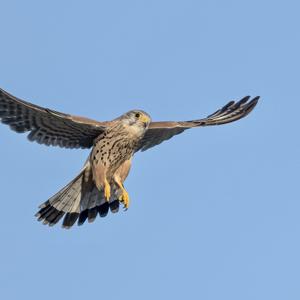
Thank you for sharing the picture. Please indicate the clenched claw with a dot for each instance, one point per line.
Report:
(124, 198)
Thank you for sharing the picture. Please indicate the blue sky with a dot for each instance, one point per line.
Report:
(214, 212)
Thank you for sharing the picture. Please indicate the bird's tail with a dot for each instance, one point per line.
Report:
(78, 200)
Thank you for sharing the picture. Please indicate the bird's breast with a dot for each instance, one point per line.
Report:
(112, 150)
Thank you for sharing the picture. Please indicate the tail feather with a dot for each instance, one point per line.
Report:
(103, 210)
(54, 209)
(83, 216)
(114, 206)
(79, 200)
(73, 213)
(69, 220)
(92, 214)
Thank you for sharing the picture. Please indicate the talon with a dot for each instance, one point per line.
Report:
(124, 198)
(106, 190)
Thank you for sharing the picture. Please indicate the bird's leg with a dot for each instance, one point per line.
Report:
(106, 190)
(124, 197)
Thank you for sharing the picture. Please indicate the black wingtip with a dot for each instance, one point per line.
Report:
(252, 103)
(245, 99)
(255, 99)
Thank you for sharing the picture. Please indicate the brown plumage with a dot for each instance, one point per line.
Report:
(99, 186)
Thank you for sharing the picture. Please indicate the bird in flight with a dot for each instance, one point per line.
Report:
(99, 187)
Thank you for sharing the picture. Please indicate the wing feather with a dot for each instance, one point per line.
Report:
(46, 126)
(162, 131)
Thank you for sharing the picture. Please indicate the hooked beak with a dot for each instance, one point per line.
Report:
(144, 119)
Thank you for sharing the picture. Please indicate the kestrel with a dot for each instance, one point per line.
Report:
(99, 187)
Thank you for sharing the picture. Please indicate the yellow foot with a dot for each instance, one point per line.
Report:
(106, 190)
(125, 199)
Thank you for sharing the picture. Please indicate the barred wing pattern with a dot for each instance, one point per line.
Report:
(162, 131)
(47, 126)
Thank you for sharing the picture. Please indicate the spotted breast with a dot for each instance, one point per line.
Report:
(111, 150)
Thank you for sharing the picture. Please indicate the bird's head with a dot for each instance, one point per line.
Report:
(137, 120)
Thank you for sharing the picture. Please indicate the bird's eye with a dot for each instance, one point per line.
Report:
(137, 115)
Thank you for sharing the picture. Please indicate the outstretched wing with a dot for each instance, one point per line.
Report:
(47, 126)
(162, 131)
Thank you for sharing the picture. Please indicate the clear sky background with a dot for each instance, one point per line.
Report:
(215, 212)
